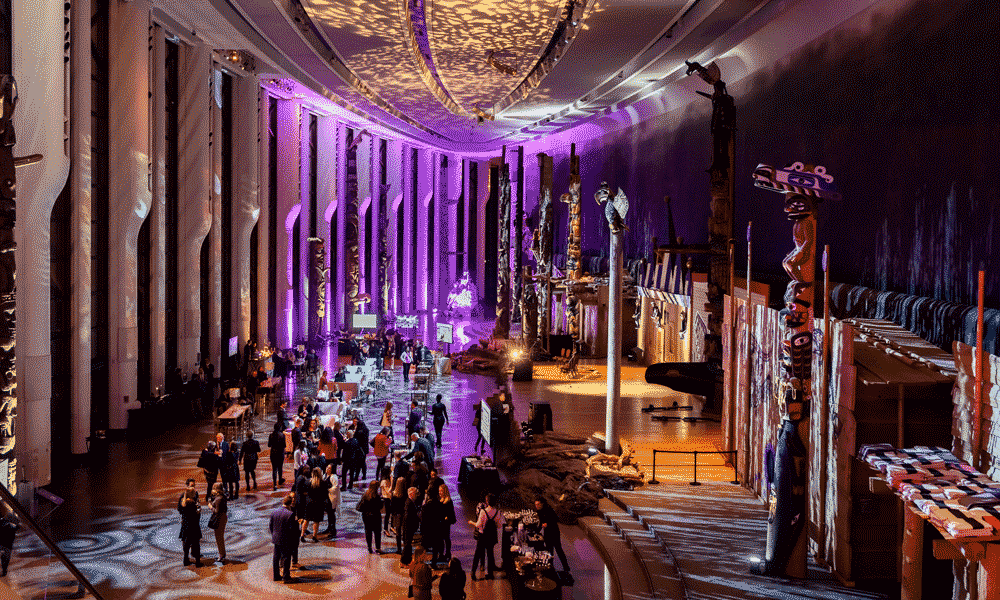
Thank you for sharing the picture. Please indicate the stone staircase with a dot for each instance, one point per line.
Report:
(641, 568)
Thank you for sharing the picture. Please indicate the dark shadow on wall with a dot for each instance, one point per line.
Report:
(901, 110)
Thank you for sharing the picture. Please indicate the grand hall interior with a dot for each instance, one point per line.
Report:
(544, 299)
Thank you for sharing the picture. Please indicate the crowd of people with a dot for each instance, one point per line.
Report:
(406, 496)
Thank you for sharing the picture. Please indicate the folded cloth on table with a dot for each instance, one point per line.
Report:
(913, 491)
(979, 501)
(872, 448)
(957, 520)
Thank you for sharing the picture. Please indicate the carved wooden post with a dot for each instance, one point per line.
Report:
(573, 268)
(720, 223)
(544, 254)
(518, 242)
(8, 290)
(529, 310)
(352, 259)
(502, 328)
(803, 187)
(318, 272)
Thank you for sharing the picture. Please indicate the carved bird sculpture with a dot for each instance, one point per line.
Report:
(614, 210)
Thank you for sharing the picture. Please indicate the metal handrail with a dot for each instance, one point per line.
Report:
(695, 453)
(33, 526)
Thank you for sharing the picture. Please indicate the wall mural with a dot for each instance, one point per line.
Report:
(8, 287)
(803, 187)
(319, 275)
(502, 328)
(383, 252)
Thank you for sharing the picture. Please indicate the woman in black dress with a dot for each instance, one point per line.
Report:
(276, 443)
(317, 497)
(190, 534)
(431, 520)
(452, 586)
(220, 513)
(398, 503)
(302, 480)
(448, 512)
(249, 453)
(370, 507)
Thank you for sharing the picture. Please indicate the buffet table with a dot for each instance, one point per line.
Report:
(527, 564)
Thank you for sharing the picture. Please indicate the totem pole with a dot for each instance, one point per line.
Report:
(529, 309)
(543, 253)
(319, 274)
(8, 269)
(614, 211)
(722, 182)
(502, 328)
(352, 260)
(573, 267)
(382, 306)
(382, 241)
(518, 242)
(803, 188)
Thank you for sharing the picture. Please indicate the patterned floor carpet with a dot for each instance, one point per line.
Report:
(120, 526)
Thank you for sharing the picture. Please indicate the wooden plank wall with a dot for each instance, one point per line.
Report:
(963, 400)
(764, 417)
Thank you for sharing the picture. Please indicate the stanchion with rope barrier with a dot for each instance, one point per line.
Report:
(695, 481)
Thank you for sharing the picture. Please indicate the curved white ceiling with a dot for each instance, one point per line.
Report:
(420, 67)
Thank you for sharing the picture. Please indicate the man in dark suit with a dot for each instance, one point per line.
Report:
(351, 458)
(416, 416)
(284, 530)
(282, 415)
(362, 434)
(411, 520)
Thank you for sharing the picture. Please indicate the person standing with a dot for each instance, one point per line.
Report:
(249, 454)
(282, 416)
(549, 523)
(385, 493)
(380, 448)
(431, 522)
(318, 496)
(448, 510)
(352, 452)
(488, 524)
(411, 521)
(370, 507)
(209, 463)
(190, 534)
(284, 535)
(452, 585)
(421, 578)
(407, 358)
(387, 418)
(476, 421)
(231, 472)
(398, 504)
(440, 413)
(413, 421)
(362, 434)
(341, 446)
(333, 500)
(219, 518)
(276, 443)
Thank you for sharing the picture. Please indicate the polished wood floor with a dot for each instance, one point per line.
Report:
(119, 521)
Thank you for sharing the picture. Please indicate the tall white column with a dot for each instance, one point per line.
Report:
(215, 233)
(246, 202)
(425, 189)
(407, 289)
(305, 211)
(264, 240)
(195, 212)
(289, 112)
(129, 195)
(38, 123)
(341, 279)
(81, 197)
(158, 216)
(614, 346)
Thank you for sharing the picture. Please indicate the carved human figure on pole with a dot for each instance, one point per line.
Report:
(501, 329)
(542, 248)
(803, 186)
